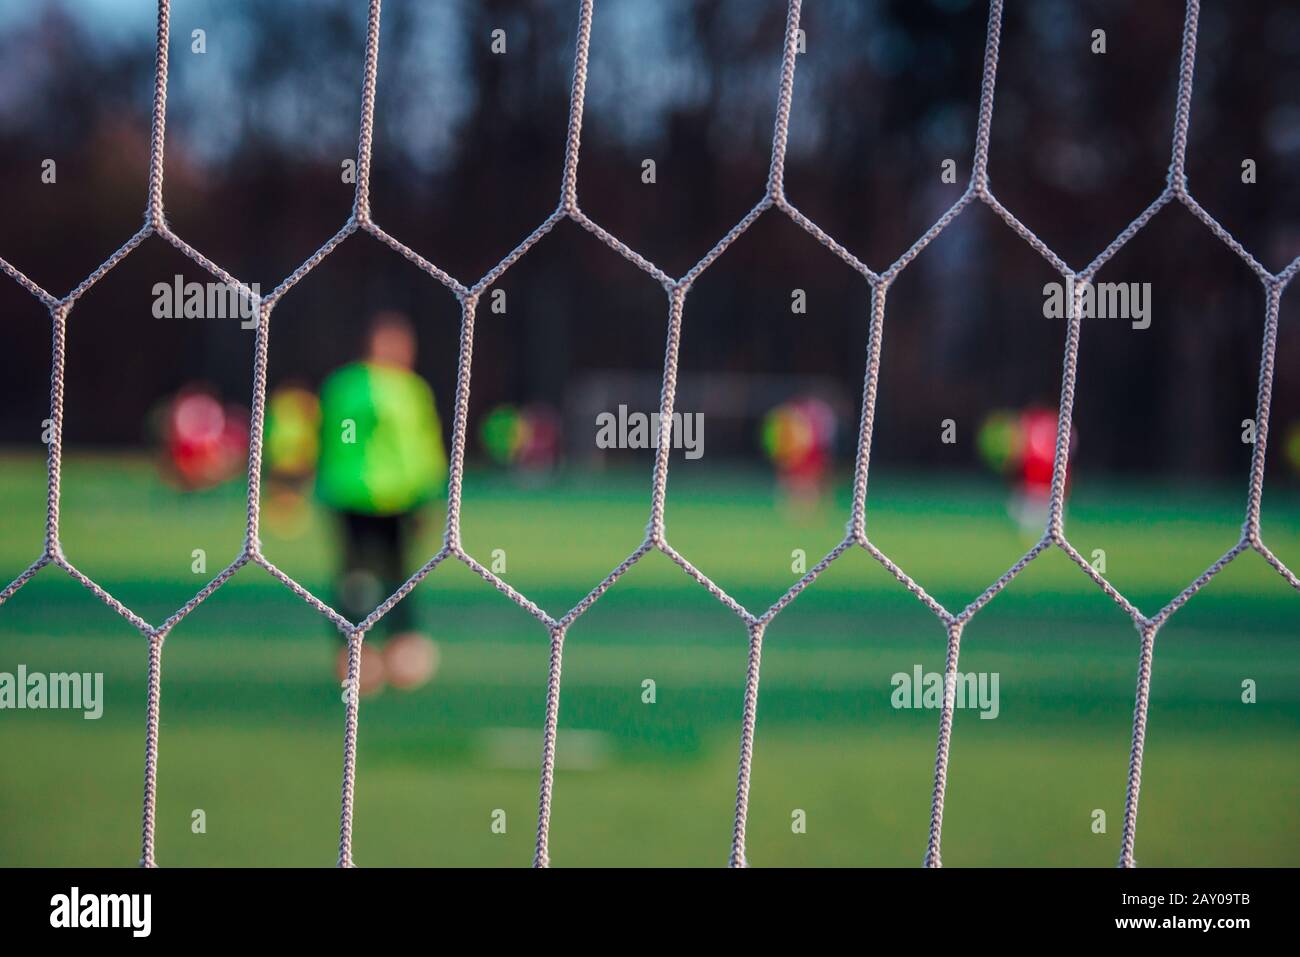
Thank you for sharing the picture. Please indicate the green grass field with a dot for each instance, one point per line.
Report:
(252, 719)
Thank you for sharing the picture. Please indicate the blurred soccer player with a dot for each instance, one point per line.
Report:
(381, 460)
(202, 442)
(290, 450)
(799, 438)
(1022, 446)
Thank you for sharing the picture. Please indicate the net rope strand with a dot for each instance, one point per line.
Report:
(656, 537)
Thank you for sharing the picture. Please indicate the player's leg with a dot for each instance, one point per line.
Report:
(410, 656)
(358, 592)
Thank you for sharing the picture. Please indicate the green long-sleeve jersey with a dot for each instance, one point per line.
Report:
(381, 448)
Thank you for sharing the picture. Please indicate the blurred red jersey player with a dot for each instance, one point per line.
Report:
(204, 443)
(1023, 447)
(799, 438)
(1038, 450)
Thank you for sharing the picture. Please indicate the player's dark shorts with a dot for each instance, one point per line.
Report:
(374, 566)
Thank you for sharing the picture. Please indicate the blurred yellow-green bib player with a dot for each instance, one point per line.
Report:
(381, 458)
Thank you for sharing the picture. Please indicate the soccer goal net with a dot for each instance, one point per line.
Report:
(773, 202)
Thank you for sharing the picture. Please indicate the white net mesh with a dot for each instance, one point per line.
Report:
(774, 198)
